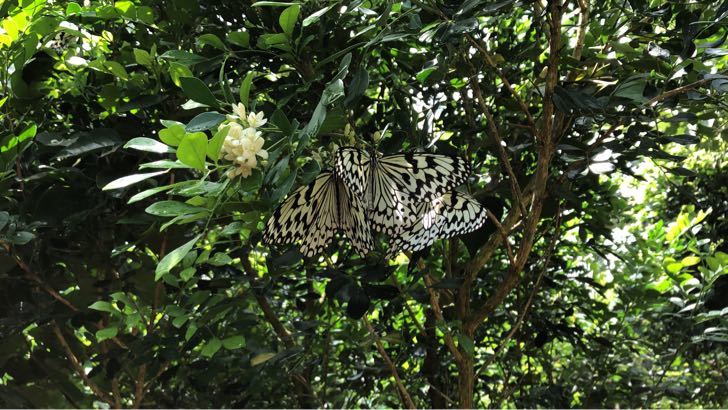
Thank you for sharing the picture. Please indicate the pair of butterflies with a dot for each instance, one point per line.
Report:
(408, 196)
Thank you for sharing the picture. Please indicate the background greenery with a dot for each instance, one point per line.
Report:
(610, 289)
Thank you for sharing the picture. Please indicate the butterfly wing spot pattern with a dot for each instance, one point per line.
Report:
(450, 215)
(393, 186)
(314, 213)
(408, 196)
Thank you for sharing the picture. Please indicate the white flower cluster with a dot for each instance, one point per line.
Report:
(243, 143)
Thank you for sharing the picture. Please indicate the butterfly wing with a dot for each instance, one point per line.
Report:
(352, 166)
(353, 220)
(449, 215)
(401, 182)
(308, 215)
(313, 214)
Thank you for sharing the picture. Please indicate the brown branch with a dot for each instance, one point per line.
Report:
(677, 91)
(486, 251)
(139, 385)
(78, 368)
(437, 310)
(503, 234)
(545, 152)
(515, 188)
(580, 37)
(489, 60)
(529, 302)
(49, 290)
(301, 384)
(116, 392)
(404, 395)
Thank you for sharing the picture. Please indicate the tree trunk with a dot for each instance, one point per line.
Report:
(466, 382)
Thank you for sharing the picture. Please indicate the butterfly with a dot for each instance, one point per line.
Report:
(451, 214)
(313, 214)
(393, 186)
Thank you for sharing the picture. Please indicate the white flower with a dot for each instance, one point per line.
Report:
(243, 146)
(239, 110)
(256, 120)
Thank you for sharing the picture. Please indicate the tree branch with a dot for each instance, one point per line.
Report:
(489, 60)
(437, 310)
(580, 37)
(78, 368)
(515, 188)
(677, 91)
(303, 387)
(404, 395)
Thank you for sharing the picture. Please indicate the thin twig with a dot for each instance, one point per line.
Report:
(529, 302)
(437, 310)
(503, 234)
(78, 368)
(515, 188)
(677, 91)
(404, 395)
(489, 60)
(49, 290)
(580, 37)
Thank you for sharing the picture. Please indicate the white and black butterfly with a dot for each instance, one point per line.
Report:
(393, 186)
(314, 213)
(446, 216)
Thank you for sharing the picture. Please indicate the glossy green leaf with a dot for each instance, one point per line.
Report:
(196, 90)
(193, 149)
(174, 258)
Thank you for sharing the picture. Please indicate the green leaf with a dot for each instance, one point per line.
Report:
(172, 135)
(261, 358)
(313, 18)
(163, 163)
(147, 193)
(184, 57)
(272, 4)
(88, 142)
(234, 342)
(358, 86)
(288, 19)
(211, 347)
(102, 306)
(148, 145)
(173, 258)
(196, 90)
(205, 121)
(172, 208)
(187, 273)
(285, 187)
(130, 180)
(106, 333)
(4, 219)
(239, 38)
(191, 330)
(193, 149)
(245, 87)
(177, 71)
(142, 57)
(211, 40)
(466, 344)
(72, 8)
(690, 260)
(220, 259)
(21, 237)
(633, 89)
(116, 69)
(215, 144)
